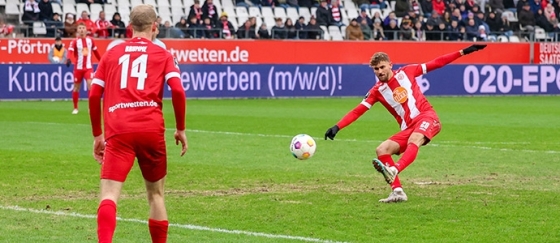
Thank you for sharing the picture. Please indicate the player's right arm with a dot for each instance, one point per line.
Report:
(97, 88)
(172, 77)
(71, 53)
(353, 115)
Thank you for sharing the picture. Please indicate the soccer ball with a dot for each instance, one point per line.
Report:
(303, 146)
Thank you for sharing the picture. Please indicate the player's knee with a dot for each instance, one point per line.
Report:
(382, 149)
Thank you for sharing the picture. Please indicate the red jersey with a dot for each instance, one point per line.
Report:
(80, 51)
(102, 27)
(132, 75)
(401, 95)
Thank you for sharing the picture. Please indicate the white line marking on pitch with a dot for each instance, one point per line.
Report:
(183, 226)
(447, 143)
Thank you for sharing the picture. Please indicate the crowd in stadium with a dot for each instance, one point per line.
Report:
(410, 20)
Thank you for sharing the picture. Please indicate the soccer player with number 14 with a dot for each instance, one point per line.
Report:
(399, 93)
(132, 76)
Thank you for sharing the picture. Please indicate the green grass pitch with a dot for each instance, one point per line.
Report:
(491, 175)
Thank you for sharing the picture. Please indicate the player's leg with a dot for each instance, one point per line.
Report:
(384, 161)
(424, 130)
(78, 77)
(89, 77)
(117, 162)
(152, 158)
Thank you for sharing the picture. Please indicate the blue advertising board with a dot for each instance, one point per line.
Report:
(261, 81)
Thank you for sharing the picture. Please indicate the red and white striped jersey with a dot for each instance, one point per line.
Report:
(401, 95)
(82, 49)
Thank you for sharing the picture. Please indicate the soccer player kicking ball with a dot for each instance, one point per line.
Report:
(401, 95)
(79, 53)
(132, 76)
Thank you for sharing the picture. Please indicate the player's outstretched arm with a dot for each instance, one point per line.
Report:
(448, 58)
(350, 117)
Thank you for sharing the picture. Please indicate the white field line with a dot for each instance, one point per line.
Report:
(473, 145)
(183, 226)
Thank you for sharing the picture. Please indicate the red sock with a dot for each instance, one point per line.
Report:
(386, 158)
(408, 157)
(106, 221)
(158, 230)
(75, 97)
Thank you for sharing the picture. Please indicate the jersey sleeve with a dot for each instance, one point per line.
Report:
(415, 69)
(172, 77)
(100, 76)
(369, 99)
(358, 111)
(97, 88)
(171, 68)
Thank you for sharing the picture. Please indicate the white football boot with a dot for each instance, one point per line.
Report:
(389, 172)
(75, 111)
(396, 196)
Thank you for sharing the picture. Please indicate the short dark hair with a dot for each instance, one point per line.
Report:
(379, 57)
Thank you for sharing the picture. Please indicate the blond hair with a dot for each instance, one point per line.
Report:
(379, 57)
(142, 17)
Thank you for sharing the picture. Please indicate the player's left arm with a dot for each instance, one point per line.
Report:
(445, 59)
(95, 94)
(95, 51)
(179, 100)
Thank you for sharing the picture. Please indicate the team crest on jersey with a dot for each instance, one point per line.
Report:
(400, 76)
(400, 95)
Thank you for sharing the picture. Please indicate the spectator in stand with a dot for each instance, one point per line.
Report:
(431, 33)
(527, 18)
(549, 12)
(497, 6)
(226, 28)
(482, 35)
(306, 3)
(454, 31)
(535, 5)
(278, 31)
(469, 5)
(520, 5)
(194, 29)
(427, 8)
(246, 31)
(209, 11)
(406, 33)
(5, 29)
(472, 30)
(419, 33)
(434, 19)
(366, 30)
(288, 3)
(120, 27)
(450, 7)
(442, 31)
(401, 7)
(103, 26)
(446, 18)
(376, 15)
(387, 20)
(354, 31)
(362, 4)
(323, 14)
(392, 30)
(301, 28)
(543, 22)
(439, 6)
(269, 3)
(371, 4)
(263, 32)
(508, 29)
(196, 11)
(363, 15)
(55, 27)
(210, 30)
(291, 31)
(88, 2)
(415, 7)
(30, 14)
(57, 54)
(456, 16)
(481, 20)
(46, 10)
(377, 31)
(90, 25)
(494, 23)
(70, 26)
(336, 14)
(183, 25)
(314, 31)
(509, 5)
(412, 16)
(464, 12)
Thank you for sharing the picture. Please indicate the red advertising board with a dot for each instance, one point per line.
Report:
(286, 52)
(547, 53)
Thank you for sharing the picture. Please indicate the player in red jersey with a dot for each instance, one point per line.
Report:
(79, 53)
(132, 76)
(399, 93)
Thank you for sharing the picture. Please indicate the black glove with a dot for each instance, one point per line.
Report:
(473, 48)
(331, 132)
(68, 62)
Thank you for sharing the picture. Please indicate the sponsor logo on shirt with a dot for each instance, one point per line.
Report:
(400, 95)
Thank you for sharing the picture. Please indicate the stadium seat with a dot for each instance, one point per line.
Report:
(241, 20)
(292, 14)
(376, 10)
(313, 11)
(241, 12)
(349, 5)
(343, 31)
(164, 11)
(502, 38)
(164, 3)
(110, 10)
(514, 38)
(2, 2)
(267, 12)
(123, 3)
(13, 9)
(334, 32)
(80, 7)
(135, 2)
(39, 28)
(69, 8)
(269, 21)
(226, 3)
(234, 23)
(151, 2)
(280, 12)
(95, 8)
(124, 10)
(230, 12)
(255, 12)
(352, 13)
(385, 13)
(177, 4)
(510, 16)
(177, 11)
(541, 35)
(391, 6)
(303, 11)
(57, 9)
(73, 2)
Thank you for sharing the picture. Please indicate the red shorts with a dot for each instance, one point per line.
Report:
(122, 149)
(80, 75)
(426, 124)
